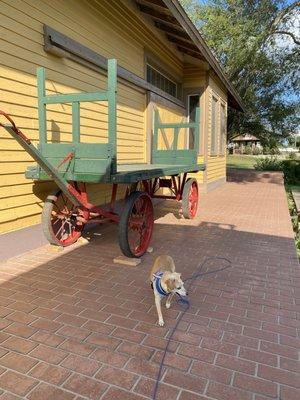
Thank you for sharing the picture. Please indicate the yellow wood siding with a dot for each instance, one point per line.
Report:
(166, 136)
(216, 164)
(194, 77)
(106, 27)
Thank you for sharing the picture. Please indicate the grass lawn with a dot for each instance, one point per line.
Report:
(239, 161)
(295, 188)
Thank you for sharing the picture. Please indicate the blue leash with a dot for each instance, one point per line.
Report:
(185, 302)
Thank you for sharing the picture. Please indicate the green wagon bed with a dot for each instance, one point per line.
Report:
(129, 173)
(126, 173)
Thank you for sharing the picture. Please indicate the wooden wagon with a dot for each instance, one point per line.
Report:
(72, 165)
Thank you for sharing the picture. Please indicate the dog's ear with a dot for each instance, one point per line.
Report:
(171, 284)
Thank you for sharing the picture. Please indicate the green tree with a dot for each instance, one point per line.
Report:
(256, 43)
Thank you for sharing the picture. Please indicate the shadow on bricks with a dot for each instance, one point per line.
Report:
(74, 324)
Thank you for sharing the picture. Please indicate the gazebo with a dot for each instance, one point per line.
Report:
(240, 142)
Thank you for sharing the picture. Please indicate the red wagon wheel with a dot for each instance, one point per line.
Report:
(136, 224)
(62, 221)
(190, 197)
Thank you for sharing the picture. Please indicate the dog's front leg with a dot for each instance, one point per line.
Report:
(169, 299)
(158, 307)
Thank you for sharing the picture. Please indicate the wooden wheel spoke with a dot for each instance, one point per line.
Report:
(60, 229)
(61, 222)
(148, 213)
(58, 215)
(193, 197)
(139, 206)
(56, 221)
(142, 235)
(135, 222)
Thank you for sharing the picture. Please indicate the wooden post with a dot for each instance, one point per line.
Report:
(197, 129)
(155, 130)
(76, 122)
(112, 112)
(42, 105)
(175, 140)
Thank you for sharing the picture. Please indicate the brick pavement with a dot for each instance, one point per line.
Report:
(75, 326)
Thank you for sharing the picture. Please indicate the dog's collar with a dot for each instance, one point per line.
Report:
(157, 284)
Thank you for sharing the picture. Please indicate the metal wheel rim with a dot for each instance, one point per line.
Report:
(140, 225)
(193, 199)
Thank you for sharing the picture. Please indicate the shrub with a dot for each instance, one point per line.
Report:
(274, 151)
(292, 155)
(291, 202)
(270, 150)
(268, 164)
(266, 150)
(291, 170)
(256, 151)
(297, 241)
(248, 150)
(295, 218)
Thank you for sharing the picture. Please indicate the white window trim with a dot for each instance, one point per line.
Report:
(201, 92)
(222, 146)
(214, 149)
(188, 119)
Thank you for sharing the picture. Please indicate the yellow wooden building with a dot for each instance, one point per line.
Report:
(170, 68)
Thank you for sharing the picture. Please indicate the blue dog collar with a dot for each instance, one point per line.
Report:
(157, 284)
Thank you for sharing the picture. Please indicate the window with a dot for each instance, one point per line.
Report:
(193, 103)
(159, 80)
(223, 129)
(214, 127)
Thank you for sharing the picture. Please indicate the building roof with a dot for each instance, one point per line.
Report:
(245, 138)
(170, 17)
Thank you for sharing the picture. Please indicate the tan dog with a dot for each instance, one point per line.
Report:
(165, 283)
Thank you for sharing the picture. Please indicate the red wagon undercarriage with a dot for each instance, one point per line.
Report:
(63, 222)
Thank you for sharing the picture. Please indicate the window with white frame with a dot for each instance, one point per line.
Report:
(214, 127)
(222, 129)
(193, 104)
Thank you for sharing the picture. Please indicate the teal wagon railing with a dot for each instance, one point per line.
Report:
(90, 161)
(173, 155)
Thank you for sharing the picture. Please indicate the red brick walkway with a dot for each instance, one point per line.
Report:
(75, 326)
